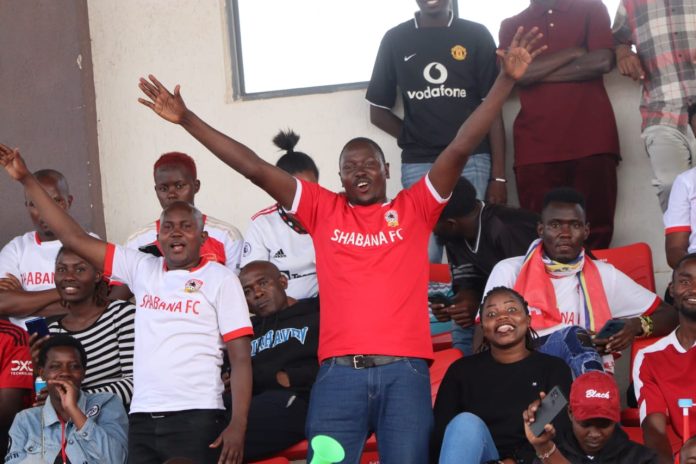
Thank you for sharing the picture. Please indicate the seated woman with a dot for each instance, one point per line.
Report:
(104, 328)
(482, 397)
(72, 426)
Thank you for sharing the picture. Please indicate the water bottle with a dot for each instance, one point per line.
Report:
(39, 384)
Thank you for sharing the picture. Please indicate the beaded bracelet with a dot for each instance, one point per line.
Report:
(647, 325)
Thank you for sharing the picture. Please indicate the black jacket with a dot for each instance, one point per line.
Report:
(286, 341)
(618, 450)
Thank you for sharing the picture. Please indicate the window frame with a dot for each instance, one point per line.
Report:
(237, 61)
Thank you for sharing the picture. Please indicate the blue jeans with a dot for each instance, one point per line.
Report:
(463, 339)
(467, 440)
(564, 344)
(392, 400)
(477, 171)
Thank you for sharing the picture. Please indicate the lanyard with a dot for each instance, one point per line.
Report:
(63, 442)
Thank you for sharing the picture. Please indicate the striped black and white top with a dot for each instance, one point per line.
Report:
(109, 346)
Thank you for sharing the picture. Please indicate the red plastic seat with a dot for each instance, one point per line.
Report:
(634, 260)
(442, 341)
(440, 273)
(441, 362)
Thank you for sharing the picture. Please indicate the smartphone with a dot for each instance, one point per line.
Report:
(553, 403)
(440, 298)
(612, 327)
(37, 325)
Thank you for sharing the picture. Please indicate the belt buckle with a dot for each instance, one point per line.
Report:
(359, 361)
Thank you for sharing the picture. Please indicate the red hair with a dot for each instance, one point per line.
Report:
(178, 158)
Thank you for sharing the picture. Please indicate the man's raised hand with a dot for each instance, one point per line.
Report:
(169, 106)
(13, 163)
(521, 52)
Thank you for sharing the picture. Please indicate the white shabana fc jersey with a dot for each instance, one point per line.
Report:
(182, 319)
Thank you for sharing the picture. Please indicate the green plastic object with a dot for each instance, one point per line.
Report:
(326, 450)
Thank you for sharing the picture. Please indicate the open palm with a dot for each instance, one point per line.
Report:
(521, 52)
(13, 163)
(169, 106)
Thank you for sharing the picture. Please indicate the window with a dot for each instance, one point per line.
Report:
(290, 47)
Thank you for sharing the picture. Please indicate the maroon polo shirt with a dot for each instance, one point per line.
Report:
(563, 121)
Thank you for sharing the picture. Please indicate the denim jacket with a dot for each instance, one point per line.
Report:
(35, 435)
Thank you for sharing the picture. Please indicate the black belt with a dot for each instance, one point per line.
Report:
(157, 415)
(362, 361)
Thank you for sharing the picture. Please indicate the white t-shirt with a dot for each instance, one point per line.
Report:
(626, 298)
(681, 210)
(270, 238)
(224, 243)
(182, 319)
(32, 261)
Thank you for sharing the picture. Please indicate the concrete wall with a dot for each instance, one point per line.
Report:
(186, 42)
(47, 104)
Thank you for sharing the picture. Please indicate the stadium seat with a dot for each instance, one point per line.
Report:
(634, 260)
(630, 417)
(438, 368)
(440, 273)
(441, 362)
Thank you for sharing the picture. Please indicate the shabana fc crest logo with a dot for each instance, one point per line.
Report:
(193, 285)
(392, 218)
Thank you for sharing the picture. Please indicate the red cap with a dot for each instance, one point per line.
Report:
(595, 395)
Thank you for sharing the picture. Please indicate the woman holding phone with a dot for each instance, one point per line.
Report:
(480, 401)
(105, 328)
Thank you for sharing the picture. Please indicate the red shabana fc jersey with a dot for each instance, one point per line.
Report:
(16, 370)
(664, 373)
(372, 266)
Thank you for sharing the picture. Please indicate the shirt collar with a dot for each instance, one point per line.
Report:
(50, 416)
(204, 260)
(416, 15)
(674, 341)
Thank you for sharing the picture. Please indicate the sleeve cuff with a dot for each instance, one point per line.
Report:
(85, 431)
(388, 108)
(109, 260)
(433, 192)
(298, 195)
(672, 230)
(653, 307)
(243, 332)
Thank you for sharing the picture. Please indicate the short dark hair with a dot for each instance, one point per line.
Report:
(292, 161)
(56, 176)
(564, 195)
(367, 141)
(177, 158)
(685, 258)
(60, 340)
(462, 202)
(692, 112)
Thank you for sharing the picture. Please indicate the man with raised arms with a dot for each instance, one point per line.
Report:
(187, 307)
(28, 261)
(374, 329)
